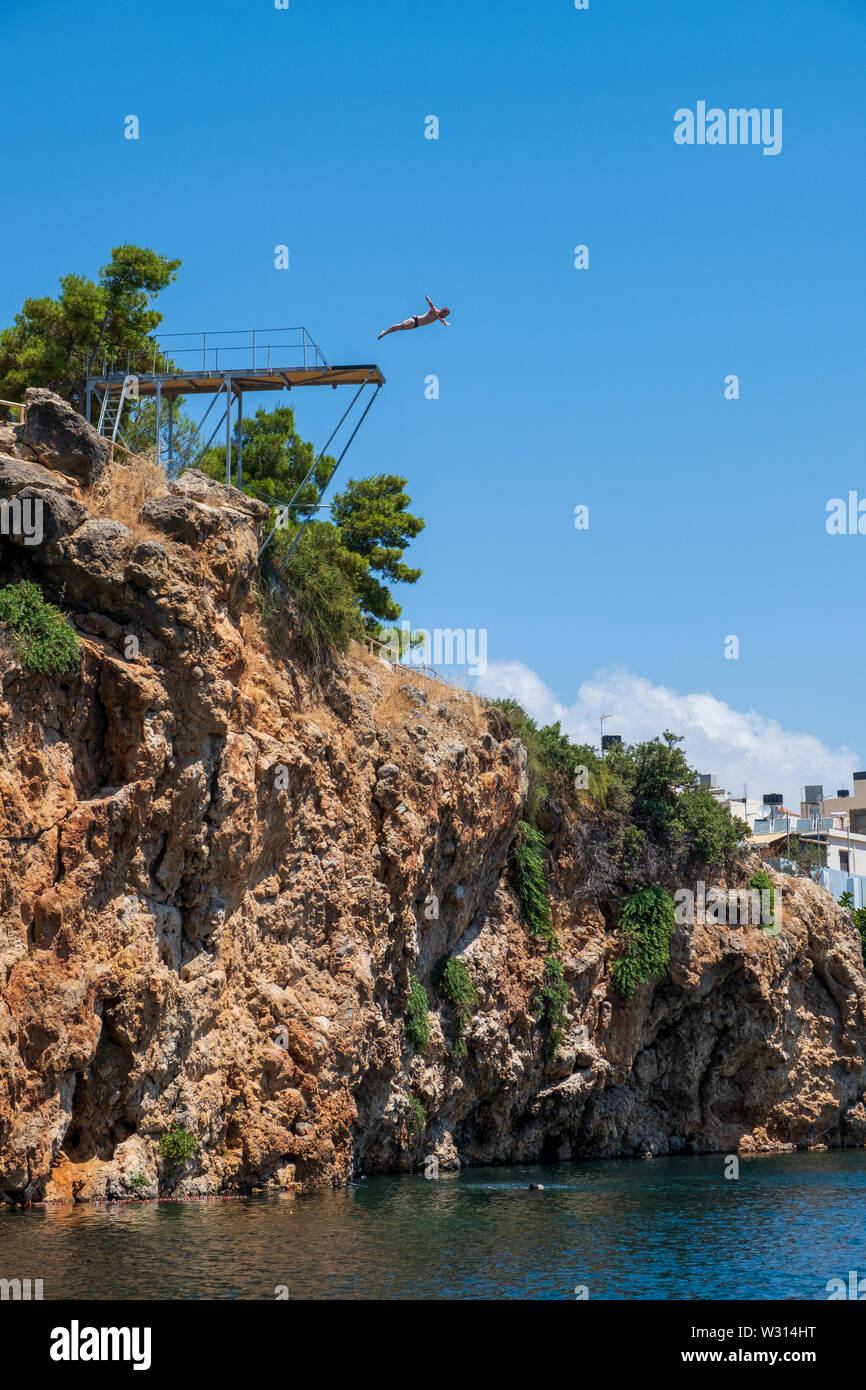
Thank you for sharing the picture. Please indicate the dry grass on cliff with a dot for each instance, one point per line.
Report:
(388, 678)
(268, 686)
(395, 704)
(124, 488)
(265, 679)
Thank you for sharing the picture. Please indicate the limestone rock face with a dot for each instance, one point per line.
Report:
(16, 475)
(218, 877)
(198, 487)
(59, 438)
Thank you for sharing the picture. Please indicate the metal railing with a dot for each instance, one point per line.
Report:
(239, 350)
(376, 648)
(373, 647)
(16, 405)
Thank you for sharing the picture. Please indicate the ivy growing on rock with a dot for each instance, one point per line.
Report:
(550, 1002)
(532, 883)
(454, 982)
(417, 1023)
(647, 921)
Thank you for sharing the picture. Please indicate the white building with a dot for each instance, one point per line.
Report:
(837, 824)
(744, 807)
(840, 823)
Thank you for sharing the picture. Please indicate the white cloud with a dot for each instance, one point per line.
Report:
(736, 747)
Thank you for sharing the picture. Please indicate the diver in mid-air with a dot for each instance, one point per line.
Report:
(420, 320)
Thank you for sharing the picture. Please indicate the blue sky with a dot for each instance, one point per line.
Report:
(558, 387)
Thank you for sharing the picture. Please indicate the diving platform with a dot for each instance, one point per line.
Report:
(225, 365)
(201, 383)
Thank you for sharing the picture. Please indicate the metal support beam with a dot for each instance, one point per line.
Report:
(216, 430)
(229, 430)
(309, 517)
(318, 460)
(158, 423)
(240, 439)
(200, 426)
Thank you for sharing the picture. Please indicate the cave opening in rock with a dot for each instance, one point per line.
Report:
(550, 1148)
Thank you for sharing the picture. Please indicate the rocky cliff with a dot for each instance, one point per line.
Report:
(219, 873)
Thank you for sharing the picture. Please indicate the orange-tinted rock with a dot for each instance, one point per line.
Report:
(218, 877)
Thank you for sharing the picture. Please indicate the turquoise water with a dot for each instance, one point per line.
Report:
(674, 1228)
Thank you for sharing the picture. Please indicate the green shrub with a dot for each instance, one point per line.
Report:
(417, 1023)
(176, 1146)
(859, 917)
(419, 1115)
(136, 1181)
(532, 883)
(552, 758)
(712, 833)
(42, 639)
(633, 842)
(454, 982)
(319, 576)
(761, 881)
(802, 857)
(647, 921)
(652, 822)
(550, 1002)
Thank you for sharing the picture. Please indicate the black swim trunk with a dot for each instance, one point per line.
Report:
(415, 319)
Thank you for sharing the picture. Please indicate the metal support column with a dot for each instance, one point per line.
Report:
(171, 435)
(158, 421)
(229, 431)
(240, 439)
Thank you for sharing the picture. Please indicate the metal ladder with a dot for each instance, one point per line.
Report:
(111, 411)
